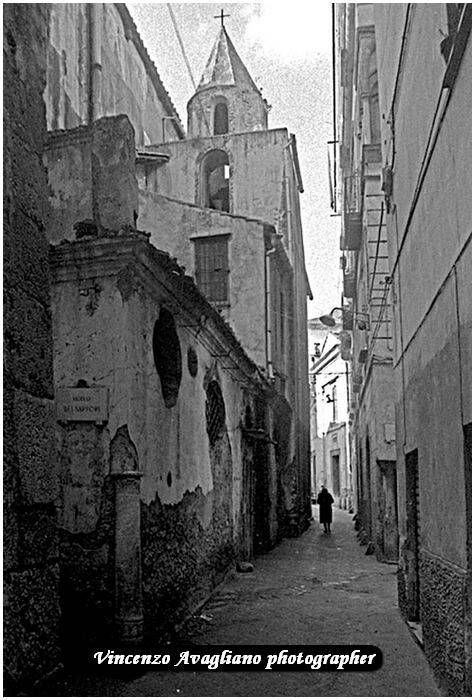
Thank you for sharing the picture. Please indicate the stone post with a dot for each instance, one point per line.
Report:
(114, 183)
(127, 570)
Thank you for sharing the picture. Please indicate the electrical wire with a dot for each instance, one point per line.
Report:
(187, 63)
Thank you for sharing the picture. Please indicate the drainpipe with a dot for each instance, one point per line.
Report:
(269, 367)
(288, 210)
(94, 14)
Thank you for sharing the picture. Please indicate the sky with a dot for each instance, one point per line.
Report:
(286, 46)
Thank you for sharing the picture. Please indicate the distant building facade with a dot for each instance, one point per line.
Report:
(404, 115)
(329, 393)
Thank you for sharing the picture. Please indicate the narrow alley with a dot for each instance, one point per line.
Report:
(237, 283)
(317, 589)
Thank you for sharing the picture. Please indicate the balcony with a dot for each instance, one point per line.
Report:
(352, 218)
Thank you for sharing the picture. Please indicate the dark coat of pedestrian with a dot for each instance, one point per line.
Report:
(325, 500)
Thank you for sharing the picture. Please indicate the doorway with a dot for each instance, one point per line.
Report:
(335, 462)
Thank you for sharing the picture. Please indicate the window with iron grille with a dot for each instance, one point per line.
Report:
(211, 267)
(215, 413)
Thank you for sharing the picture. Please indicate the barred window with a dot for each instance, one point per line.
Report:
(211, 267)
(215, 413)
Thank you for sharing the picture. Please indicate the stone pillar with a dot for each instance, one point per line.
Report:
(127, 563)
(128, 570)
(114, 183)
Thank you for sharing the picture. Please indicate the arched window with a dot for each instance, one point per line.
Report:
(167, 356)
(220, 120)
(215, 180)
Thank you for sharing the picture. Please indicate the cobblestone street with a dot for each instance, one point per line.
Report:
(318, 589)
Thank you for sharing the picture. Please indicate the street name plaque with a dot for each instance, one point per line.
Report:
(82, 404)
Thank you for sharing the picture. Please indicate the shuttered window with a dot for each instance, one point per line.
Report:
(211, 267)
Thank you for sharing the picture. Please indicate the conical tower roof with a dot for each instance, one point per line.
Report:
(224, 66)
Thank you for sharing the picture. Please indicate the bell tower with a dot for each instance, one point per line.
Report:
(227, 99)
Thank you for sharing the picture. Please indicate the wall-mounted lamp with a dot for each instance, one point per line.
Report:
(362, 319)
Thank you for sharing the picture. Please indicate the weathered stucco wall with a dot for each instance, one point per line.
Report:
(174, 225)
(92, 179)
(194, 493)
(31, 577)
(256, 171)
(125, 80)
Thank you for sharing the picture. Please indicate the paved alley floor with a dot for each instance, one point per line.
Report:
(316, 589)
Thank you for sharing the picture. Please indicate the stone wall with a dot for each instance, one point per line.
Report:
(31, 612)
(443, 594)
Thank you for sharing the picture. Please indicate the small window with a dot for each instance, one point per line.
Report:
(167, 357)
(220, 121)
(215, 181)
(212, 267)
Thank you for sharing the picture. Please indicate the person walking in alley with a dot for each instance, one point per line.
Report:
(325, 500)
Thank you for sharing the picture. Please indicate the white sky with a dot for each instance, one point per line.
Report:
(286, 47)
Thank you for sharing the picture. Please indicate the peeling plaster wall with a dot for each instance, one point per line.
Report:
(263, 184)
(120, 357)
(193, 496)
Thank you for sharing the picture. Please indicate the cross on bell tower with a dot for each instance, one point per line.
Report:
(227, 99)
(221, 16)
